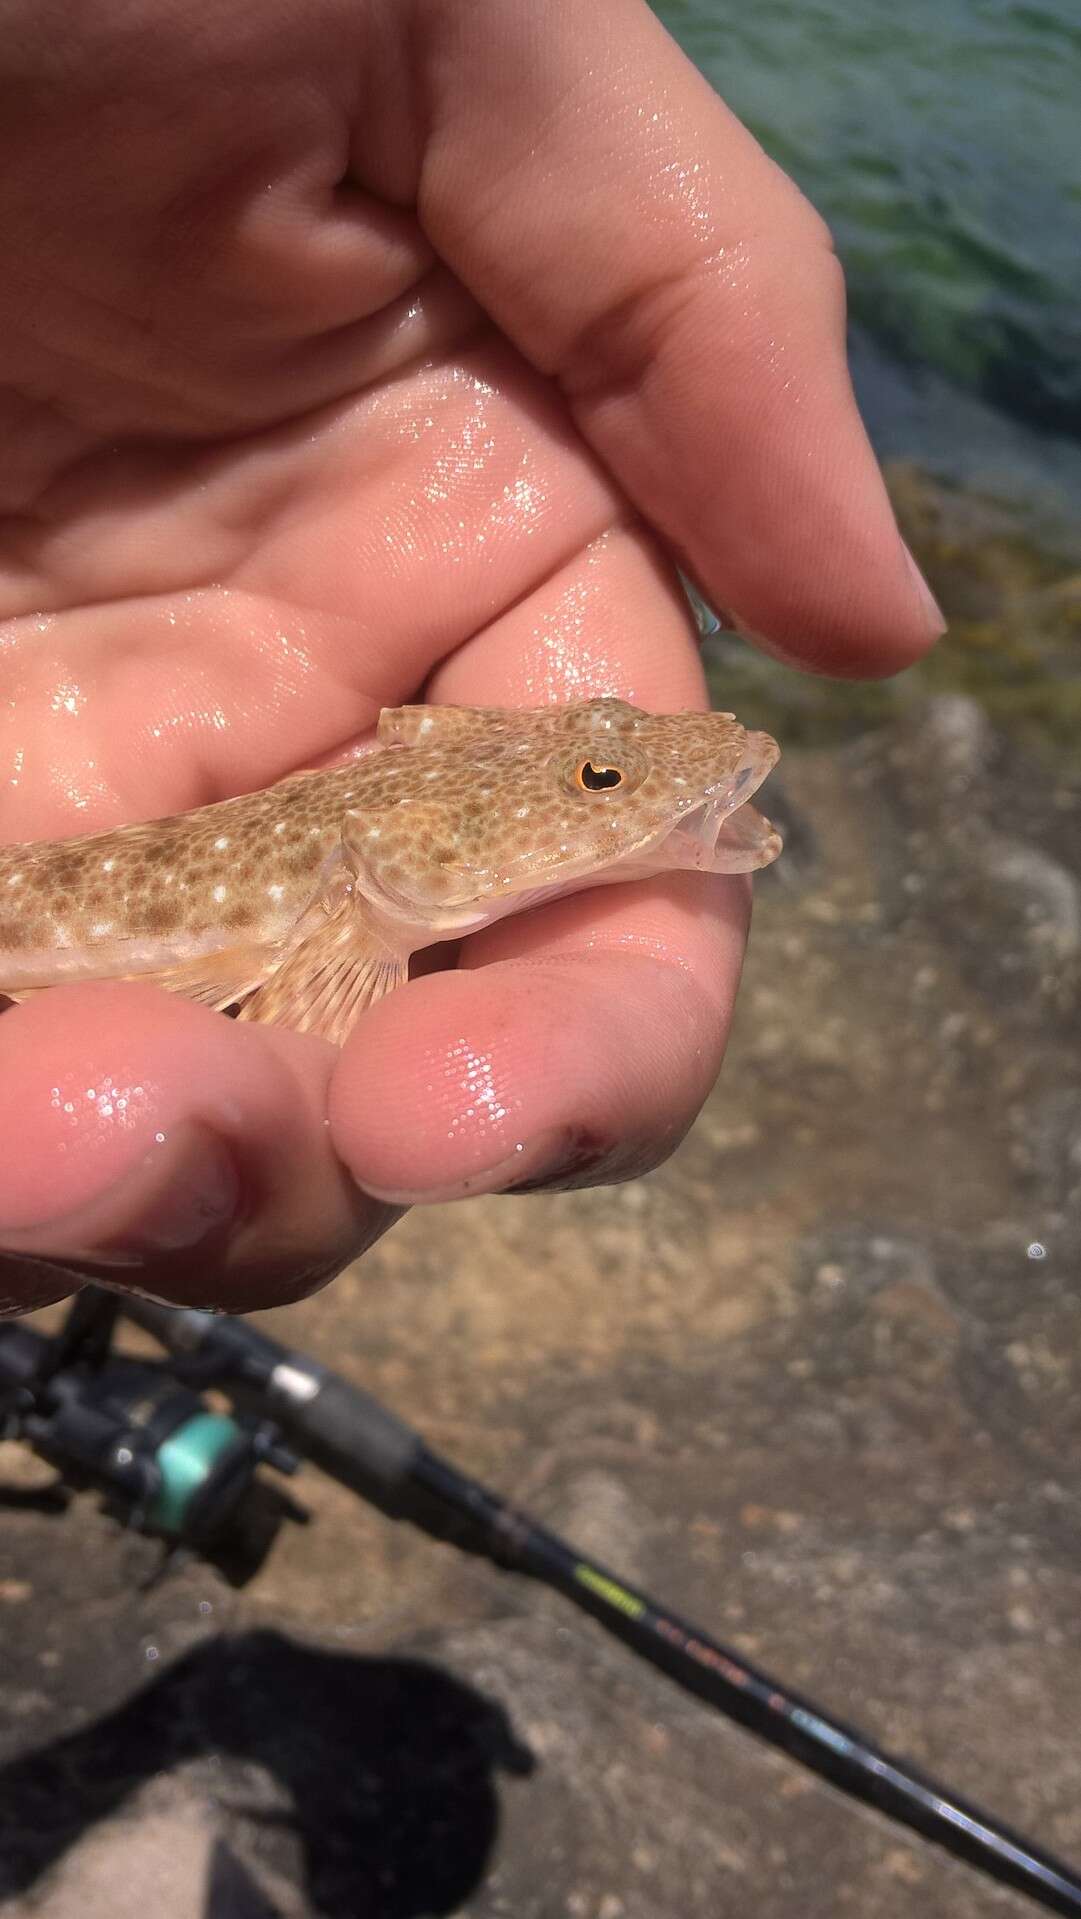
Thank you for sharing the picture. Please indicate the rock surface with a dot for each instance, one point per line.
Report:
(817, 1383)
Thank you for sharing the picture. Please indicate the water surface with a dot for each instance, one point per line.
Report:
(941, 139)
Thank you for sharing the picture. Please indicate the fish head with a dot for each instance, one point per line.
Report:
(496, 810)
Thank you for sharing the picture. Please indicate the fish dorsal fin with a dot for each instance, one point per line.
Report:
(331, 976)
(442, 725)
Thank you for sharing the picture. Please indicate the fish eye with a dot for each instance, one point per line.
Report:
(598, 779)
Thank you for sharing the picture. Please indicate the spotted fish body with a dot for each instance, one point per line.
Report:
(303, 903)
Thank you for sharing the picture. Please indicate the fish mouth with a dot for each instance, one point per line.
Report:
(711, 841)
(725, 834)
(741, 843)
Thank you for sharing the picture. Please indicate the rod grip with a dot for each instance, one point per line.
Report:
(346, 1431)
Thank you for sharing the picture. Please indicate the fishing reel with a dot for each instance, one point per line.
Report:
(165, 1461)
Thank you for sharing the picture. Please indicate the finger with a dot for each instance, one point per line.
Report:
(348, 559)
(28, 1284)
(578, 1041)
(613, 620)
(152, 1143)
(543, 1072)
(631, 237)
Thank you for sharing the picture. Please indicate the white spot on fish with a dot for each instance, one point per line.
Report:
(221, 843)
(107, 865)
(220, 893)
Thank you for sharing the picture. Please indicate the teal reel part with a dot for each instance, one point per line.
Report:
(204, 1465)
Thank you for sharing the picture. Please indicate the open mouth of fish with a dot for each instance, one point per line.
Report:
(726, 834)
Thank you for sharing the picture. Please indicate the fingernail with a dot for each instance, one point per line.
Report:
(929, 606)
(560, 1154)
(183, 1189)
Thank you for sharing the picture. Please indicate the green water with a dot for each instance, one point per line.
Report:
(942, 141)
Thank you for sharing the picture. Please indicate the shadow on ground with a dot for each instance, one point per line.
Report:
(370, 1781)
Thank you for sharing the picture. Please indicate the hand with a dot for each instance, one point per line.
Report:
(345, 344)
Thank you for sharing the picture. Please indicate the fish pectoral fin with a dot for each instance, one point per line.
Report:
(219, 979)
(329, 979)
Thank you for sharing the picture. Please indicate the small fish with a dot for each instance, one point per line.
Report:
(303, 903)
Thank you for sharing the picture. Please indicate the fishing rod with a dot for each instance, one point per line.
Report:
(141, 1431)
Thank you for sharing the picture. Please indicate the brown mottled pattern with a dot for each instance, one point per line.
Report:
(162, 876)
(493, 802)
(464, 806)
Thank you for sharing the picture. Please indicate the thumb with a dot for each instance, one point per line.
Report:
(626, 231)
